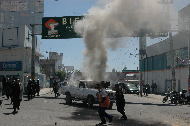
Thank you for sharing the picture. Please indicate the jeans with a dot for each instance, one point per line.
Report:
(103, 114)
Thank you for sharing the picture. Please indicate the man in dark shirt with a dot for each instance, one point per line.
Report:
(16, 93)
(120, 102)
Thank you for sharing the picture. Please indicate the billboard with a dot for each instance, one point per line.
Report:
(59, 27)
(14, 13)
(63, 27)
(11, 66)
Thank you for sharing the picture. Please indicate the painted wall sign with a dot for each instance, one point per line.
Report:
(11, 66)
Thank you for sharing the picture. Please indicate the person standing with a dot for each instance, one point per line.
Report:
(7, 88)
(55, 88)
(16, 93)
(33, 88)
(104, 103)
(3, 83)
(146, 89)
(120, 102)
(38, 87)
(29, 90)
(21, 92)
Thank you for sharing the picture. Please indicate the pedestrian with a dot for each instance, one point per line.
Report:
(29, 89)
(55, 88)
(11, 90)
(7, 88)
(37, 87)
(146, 89)
(144, 86)
(3, 83)
(120, 102)
(16, 93)
(152, 86)
(104, 104)
(33, 88)
(168, 90)
(21, 92)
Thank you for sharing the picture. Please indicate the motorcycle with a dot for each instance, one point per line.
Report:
(176, 97)
(168, 94)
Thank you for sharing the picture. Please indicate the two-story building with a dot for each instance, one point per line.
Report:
(15, 54)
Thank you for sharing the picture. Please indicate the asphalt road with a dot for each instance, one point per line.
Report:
(45, 110)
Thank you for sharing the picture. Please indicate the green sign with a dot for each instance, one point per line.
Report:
(63, 27)
(59, 27)
(130, 71)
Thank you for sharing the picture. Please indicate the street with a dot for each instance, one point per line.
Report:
(45, 110)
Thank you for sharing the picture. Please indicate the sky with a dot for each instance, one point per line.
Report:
(126, 55)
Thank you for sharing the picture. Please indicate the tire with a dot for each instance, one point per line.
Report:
(68, 99)
(90, 102)
(165, 99)
(84, 102)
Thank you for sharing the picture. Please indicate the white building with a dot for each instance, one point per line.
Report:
(156, 66)
(15, 54)
(58, 60)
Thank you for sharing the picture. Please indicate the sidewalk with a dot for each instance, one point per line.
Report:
(44, 91)
(154, 96)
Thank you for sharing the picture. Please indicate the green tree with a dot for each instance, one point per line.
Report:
(61, 75)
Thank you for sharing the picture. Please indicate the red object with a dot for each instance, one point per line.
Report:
(48, 22)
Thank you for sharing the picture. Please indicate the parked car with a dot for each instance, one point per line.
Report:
(129, 88)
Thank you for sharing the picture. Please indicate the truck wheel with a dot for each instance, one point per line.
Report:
(84, 102)
(68, 99)
(111, 104)
(90, 102)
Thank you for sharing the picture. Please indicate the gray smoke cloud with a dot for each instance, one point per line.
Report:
(110, 19)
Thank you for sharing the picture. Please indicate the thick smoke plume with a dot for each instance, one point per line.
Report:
(110, 19)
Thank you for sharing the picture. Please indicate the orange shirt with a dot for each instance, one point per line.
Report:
(106, 103)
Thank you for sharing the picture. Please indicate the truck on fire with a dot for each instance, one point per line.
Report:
(85, 91)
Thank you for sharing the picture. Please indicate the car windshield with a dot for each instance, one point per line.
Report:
(131, 85)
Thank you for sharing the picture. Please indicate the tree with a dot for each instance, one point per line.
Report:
(61, 75)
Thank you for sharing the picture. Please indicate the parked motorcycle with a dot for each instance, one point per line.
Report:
(176, 97)
(168, 94)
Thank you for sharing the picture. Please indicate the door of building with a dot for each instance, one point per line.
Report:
(168, 83)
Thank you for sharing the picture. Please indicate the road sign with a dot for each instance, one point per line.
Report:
(63, 27)
(130, 71)
(59, 27)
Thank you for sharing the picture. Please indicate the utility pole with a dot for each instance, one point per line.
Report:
(33, 51)
(188, 28)
(171, 47)
(171, 52)
(142, 52)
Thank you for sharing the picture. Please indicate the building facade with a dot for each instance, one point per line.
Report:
(47, 67)
(15, 54)
(58, 60)
(156, 64)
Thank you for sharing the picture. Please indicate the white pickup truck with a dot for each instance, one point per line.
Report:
(86, 92)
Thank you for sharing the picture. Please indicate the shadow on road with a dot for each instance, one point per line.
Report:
(10, 113)
(9, 108)
(84, 114)
(152, 104)
(8, 104)
(45, 97)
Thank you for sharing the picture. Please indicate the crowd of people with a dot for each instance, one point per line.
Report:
(14, 91)
(33, 88)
